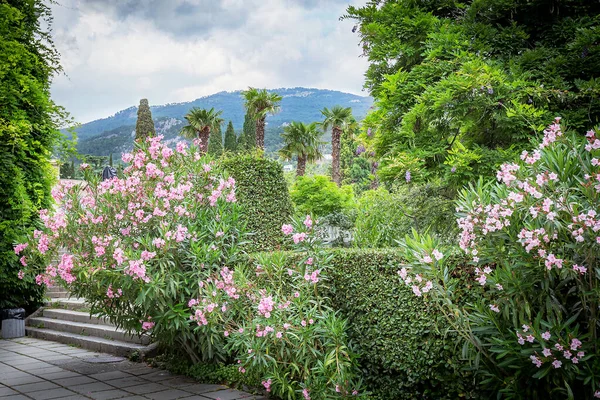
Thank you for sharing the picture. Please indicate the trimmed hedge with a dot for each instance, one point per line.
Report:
(262, 192)
(402, 353)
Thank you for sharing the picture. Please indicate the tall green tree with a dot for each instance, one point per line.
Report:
(200, 123)
(230, 138)
(301, 140)
(28, 135)
(144, 126)
(259, 103)
(462, 86)
(247, 139)
(215, 142)
(337, 119)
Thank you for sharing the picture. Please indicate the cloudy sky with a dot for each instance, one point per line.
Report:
(115, 52)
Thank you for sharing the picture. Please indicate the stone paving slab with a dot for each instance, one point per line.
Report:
(43, 370)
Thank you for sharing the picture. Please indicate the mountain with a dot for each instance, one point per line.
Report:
(115, 134)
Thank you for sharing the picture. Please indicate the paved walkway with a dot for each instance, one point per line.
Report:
(40, 370)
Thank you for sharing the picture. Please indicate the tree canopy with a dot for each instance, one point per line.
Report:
(461, 86)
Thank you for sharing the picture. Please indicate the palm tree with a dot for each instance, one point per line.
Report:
(200, 123)
(258, 104)
(303, 141)
(337, 118)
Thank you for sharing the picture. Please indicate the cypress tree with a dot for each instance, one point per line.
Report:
(248, 136)
(110, 160)
(215, 142)
(230, 138)
(144, 126)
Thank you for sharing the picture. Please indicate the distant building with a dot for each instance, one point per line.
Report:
(288, 168)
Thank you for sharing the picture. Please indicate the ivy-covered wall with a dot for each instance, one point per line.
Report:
(262, 193)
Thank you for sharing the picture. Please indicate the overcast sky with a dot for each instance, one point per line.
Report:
(115, 52)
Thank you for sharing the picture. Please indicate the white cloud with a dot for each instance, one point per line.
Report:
(116, 53)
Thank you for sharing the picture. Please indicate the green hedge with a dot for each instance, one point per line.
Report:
(28, 134)
(402, 353)
(262, 192)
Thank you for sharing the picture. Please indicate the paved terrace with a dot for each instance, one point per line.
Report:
(38, 369)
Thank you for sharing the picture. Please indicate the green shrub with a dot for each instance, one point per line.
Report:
(263, 195)
(403, 355)
(28, 134)
(319, 196)
(383, 217)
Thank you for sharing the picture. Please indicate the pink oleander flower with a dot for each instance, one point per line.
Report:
(226, 333)
(21, 274)
(536, 361)
(308, 222)
(427, 259)
(306, 394)
(265, 306)
(287, 229)
(267, 384)
(556, 364)
(219, 234)
(23, 261)
(547, 352)
(20, 247)
(494, 308)
(437, 254)
(546, 335)
(147, 325)
(299, 237)
(158, 242)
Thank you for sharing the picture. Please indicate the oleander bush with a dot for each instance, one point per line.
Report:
(158, 251)
(535, 246)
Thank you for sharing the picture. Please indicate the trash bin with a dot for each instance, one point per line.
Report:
(13, 323)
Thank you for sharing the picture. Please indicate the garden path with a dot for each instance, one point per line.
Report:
(40, 370)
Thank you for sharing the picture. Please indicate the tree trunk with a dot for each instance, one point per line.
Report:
(336, 134)
(301, 168)
(260, 133)
(203, 139)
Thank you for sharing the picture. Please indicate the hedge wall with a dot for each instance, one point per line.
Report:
(402, 354)
(262, 192)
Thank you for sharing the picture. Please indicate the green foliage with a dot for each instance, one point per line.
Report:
(382, 217)
(403, 353)
(460, 87)
(28, 135)
(215, 142)
(319, 196)
(301, 140)
(337, 118)
(144, 126)
(211, 373)
(247, 139)
(259, 103)
(263, 196)
(200, 123)
(230, 139)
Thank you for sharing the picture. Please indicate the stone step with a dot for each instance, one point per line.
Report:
(115, 347)
(54, 289)
(107, 332)
(58, 295)
(72, 303)
(74, 316)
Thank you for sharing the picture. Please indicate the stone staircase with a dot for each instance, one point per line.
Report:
(66, 320)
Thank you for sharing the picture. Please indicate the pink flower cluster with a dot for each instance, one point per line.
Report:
(417, 283)
(557, 354)
(313, 276)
